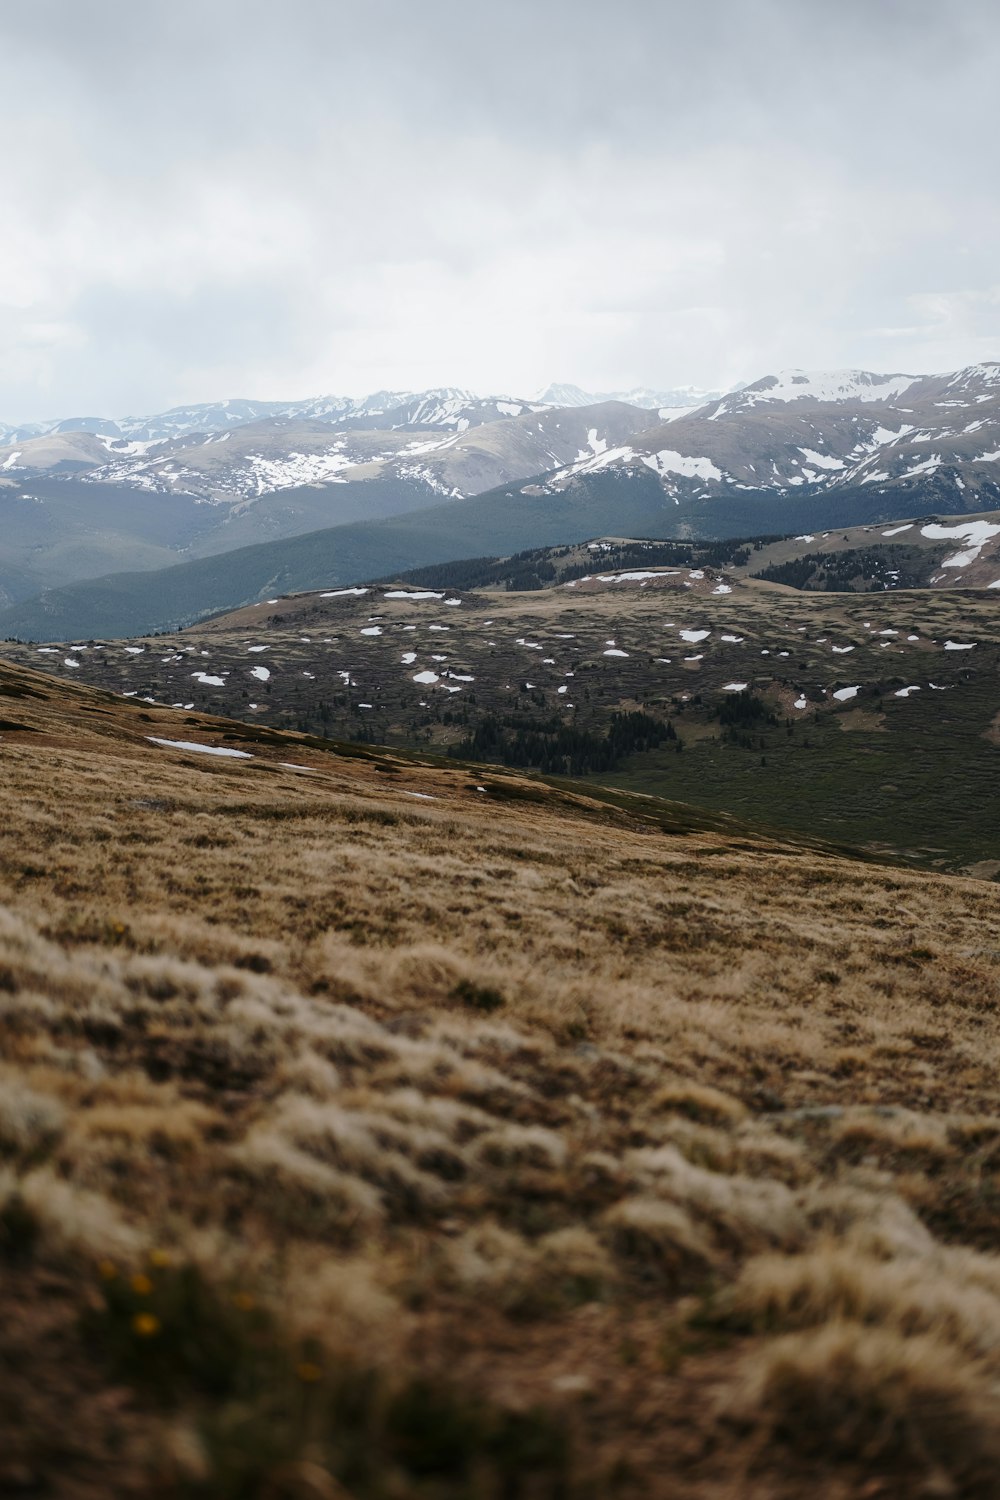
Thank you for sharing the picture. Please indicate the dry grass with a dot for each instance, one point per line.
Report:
(475, 1146)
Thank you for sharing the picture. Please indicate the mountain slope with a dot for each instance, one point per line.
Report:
(801, 435)
(135, 603)
(279, 453)
(374, 1127)
(90, 503)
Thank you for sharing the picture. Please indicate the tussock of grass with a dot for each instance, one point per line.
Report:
(908, 1409)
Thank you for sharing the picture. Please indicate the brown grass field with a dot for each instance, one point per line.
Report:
(367, 1134)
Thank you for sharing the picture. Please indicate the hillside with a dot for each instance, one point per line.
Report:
(664, 668)
(634, 1156)
(131, 603)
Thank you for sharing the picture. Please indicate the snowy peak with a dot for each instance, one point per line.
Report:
(976, 380)
(818, 386)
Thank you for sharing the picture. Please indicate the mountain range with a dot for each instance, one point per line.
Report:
(336, 491)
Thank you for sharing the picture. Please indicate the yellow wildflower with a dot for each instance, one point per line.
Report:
(141, 1285)
(107, 1269)
(160, 1258)
(308, 1373)
(146, 1325)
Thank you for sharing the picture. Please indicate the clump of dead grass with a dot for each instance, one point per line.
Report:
(912, 1409)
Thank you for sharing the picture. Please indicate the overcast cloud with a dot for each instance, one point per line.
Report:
(237, 198)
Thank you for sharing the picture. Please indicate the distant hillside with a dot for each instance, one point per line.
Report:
(613, 501)
(135, 603)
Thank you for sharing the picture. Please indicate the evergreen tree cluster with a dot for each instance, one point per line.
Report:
(861, 568)
(560, 749)
(741, 713)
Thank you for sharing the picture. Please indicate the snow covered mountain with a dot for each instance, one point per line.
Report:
(446, 406)
(815, 432)
(789, 452)
(442, 449)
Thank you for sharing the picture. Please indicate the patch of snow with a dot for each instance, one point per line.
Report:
(669, 461)
(843, 694)
(412, 594)
(975, 534)
(636, 577)
(262, 674)
(822, 460)
(201, 749)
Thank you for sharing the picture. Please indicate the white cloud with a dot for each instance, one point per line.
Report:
(237, 199)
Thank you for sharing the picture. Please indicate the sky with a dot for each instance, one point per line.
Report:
(210, 198)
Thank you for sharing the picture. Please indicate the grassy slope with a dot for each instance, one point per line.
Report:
(604, 1162)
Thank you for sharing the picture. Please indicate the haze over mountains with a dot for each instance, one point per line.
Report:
(467, 475)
